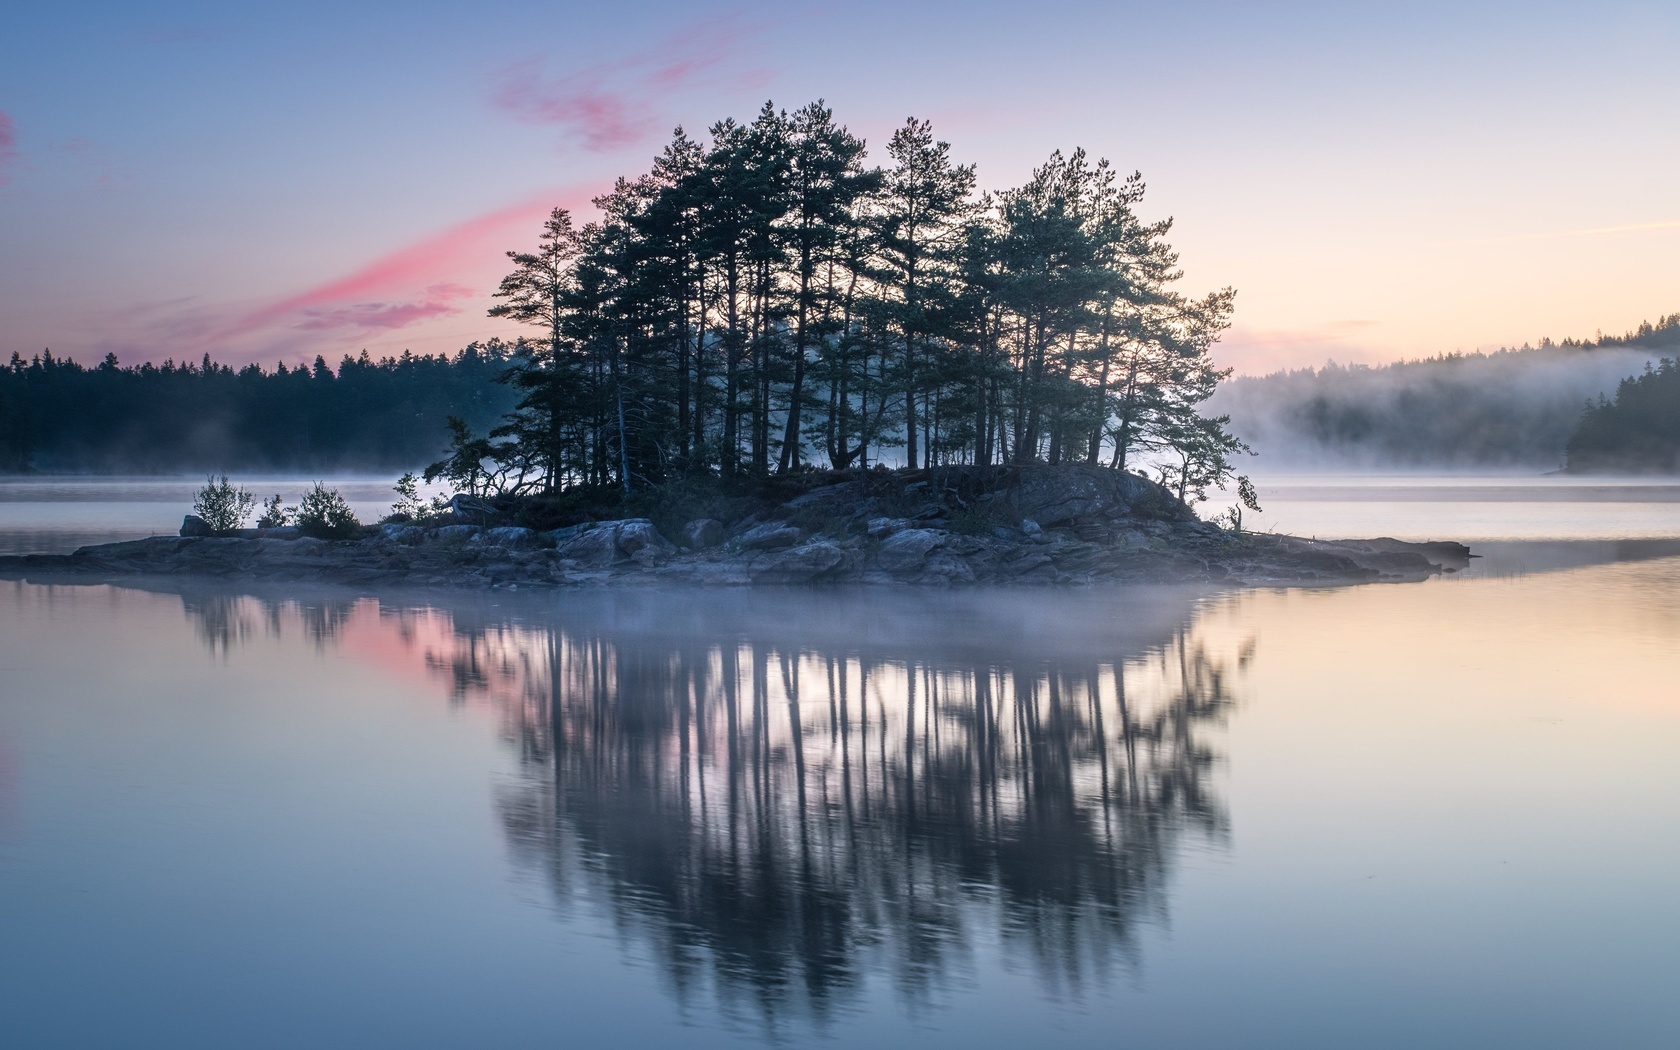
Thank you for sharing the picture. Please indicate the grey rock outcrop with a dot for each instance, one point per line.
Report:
(806, 563)
(193, 525)
(769, 536)
(703, 534)
(512, 537)
(904, 553)
(1058, 495)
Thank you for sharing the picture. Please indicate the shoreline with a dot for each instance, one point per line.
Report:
(630, 553)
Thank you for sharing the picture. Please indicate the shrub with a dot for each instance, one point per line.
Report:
(274, 515)
(322, 512)
(410, 506)
(222, 506)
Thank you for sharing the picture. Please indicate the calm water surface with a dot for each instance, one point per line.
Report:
(1389, 816)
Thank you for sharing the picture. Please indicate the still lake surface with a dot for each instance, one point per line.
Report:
(1440, 814)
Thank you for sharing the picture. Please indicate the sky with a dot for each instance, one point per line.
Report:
(266, 182)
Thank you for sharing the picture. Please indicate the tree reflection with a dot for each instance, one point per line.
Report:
(781, 810)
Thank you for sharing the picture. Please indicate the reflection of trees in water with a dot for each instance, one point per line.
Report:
(776, 821)
(780, 823)
(225, 622)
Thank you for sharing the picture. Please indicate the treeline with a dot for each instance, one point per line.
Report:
(1509, 408)
(389, 414)
(1638, 431)
(767, 300)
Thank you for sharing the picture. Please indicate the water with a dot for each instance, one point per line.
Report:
(1386, 816)
(55, 515)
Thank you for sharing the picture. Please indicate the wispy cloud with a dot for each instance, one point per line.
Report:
(617, 103)
(380, 316)
(449, 273)
(8, 146)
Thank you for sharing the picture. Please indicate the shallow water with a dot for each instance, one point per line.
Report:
(1387, 816)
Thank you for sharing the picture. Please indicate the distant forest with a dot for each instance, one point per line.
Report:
(1638, 431)
(389, 414)
(1509, 408)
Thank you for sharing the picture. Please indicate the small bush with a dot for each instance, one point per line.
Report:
(222, 506)
(323, 513)
(274, 516)
(410, 506)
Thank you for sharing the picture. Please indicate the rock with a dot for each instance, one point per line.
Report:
(594, 549)
(454, 533)
(903, 553)
(408, 535)
(193, 525)
(944, 567)
(702, 534)
(638, 534)
(772, 535)
(1061, 494)
(1030, 527)
(511, 536)
(802, 564)
(286, 532)
(842, 491)
(560, 537)
(881, 528)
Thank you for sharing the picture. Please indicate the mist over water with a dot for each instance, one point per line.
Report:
(1506, 410)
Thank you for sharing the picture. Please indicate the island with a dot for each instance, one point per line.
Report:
(1034, 524)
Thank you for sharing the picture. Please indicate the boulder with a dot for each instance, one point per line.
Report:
(193, 525)
(454, 533)
(881, 528)
(703, 533)
(511, 537)
(803, 564)
(398, 533)
(1061, 494)
(904, 553)
(772, 535)
(560, 537)
(638, 534)
(596, 548)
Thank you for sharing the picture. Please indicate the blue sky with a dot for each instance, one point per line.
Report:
(275, 181)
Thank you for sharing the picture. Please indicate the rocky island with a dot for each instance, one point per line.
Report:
(1029, 525)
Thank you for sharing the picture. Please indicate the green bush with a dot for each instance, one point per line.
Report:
(323, 513)
(274, 515)
(222, 506)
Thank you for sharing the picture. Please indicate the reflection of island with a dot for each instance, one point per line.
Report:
(777, 820)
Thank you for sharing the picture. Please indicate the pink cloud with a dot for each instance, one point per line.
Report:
(434, 291)
(614, 104)
(8, 145)
(387, 316)
(433, 262)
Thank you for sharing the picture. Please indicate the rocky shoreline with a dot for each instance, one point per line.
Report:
(1070, 526)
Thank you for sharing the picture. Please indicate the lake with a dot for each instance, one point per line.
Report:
(1438, 814)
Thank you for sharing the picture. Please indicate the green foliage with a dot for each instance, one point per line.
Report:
(323, 513)
(764, 301)
(1638, 432)
(275, 515)
(222, 506)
